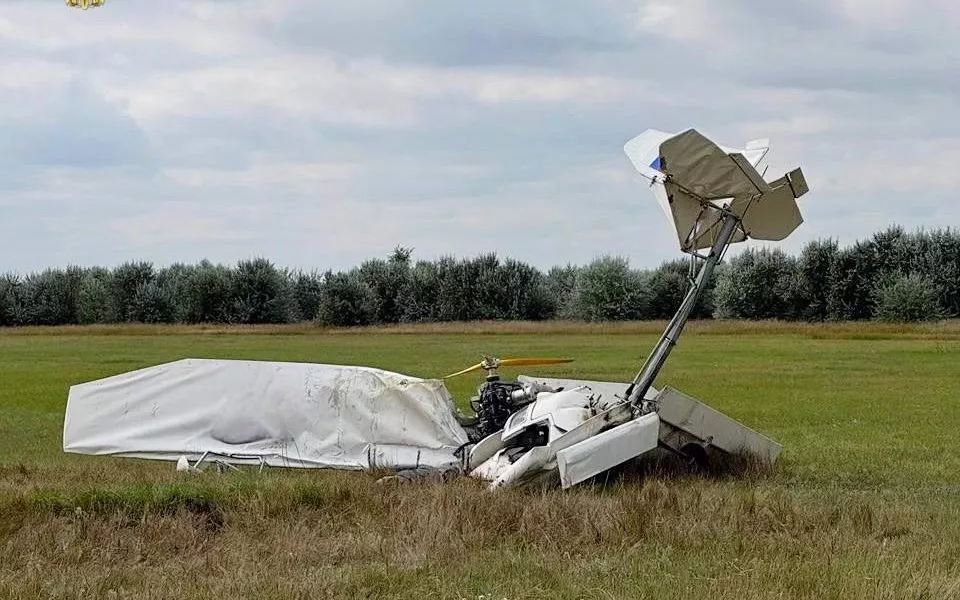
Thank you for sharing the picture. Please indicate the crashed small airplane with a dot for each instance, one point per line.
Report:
(281, 414)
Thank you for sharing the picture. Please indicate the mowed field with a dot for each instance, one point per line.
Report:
(864, 503)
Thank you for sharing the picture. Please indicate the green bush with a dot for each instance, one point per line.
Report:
(813, 274)
(757, 284)
(852, 281)
(456, 295)
(261, 293)
(154, 302)
(9, 284)
(172, 281)
(560, 284)
(51, 297)
(206, 294)
(388, 279)
(608, 290)
(525, 295)
(307, 288)
(420, 298)
(125, 283)
(908, 299)
(346, 300)
(94, 301)
(669, 284)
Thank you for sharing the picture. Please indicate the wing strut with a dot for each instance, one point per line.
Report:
(646, 376)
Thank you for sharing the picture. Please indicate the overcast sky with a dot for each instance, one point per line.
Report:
(321, 133)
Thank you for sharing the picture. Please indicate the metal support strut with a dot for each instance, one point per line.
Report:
(644, 379)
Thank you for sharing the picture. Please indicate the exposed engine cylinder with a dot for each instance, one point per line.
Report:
(497, 400)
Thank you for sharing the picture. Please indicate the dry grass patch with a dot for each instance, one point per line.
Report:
(343, 535)
(947, 329)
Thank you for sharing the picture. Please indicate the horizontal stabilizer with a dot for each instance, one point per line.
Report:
(773, 216)
(798, 182)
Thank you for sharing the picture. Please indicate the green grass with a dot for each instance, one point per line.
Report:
(865, 501)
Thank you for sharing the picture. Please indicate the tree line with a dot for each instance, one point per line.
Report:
(894, 276)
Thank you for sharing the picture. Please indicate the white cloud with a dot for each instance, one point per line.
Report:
(327, 90)
(181, 222)
(32, 74)
(685, 20)
(322, 135)
(300, 177)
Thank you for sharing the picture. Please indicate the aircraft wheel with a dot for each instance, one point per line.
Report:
(696, 455)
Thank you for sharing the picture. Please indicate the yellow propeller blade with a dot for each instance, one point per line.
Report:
(510, 362)
(529, 362)
(475, 367)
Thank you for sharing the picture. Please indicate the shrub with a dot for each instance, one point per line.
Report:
(823, 282)
(206, 294)
(669, 284)
(757, 284)
(261, 293)
(307, 288)
(126, 281)
(813, 272)
(486, 297)
(51, 297)
(908, 298)
(936, 255)
(893, 250)
(388, 279)
(153, 302)
(94, 300)
(560, 284)
(608, 290)
(346, 300)
(455, 295)
(525, 294)
(172, 281)
(852, 280)
(9, 308)
(420, 298)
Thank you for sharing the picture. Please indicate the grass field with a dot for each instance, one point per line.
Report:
(865, 502)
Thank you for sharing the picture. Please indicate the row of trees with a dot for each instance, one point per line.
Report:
(893, 276)
(391, 290)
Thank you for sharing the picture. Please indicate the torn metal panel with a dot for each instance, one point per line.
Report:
(682, 419)
(677, 410)
(608, 449)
